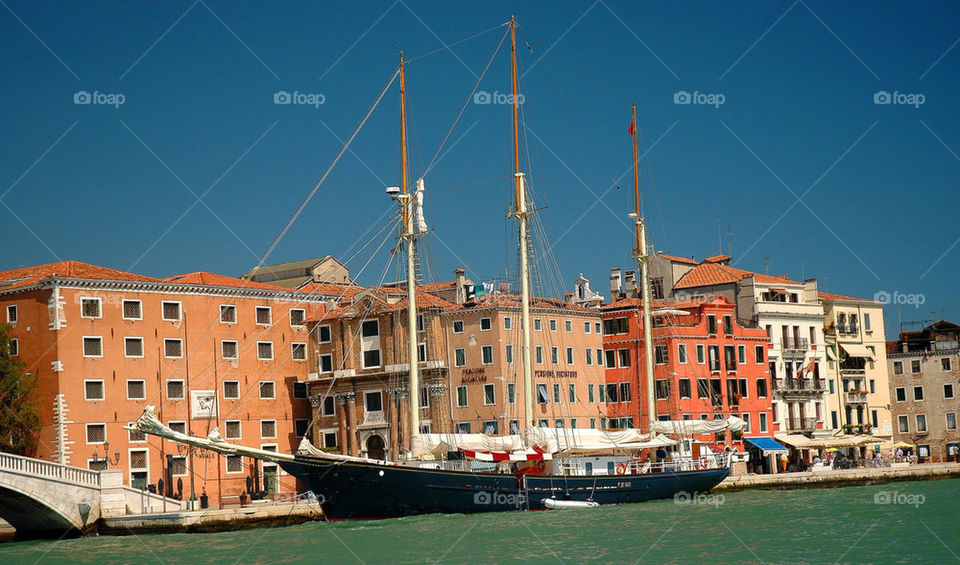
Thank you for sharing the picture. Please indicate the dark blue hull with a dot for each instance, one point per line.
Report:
(350, 490)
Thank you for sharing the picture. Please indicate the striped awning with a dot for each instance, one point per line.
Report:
(532, 454)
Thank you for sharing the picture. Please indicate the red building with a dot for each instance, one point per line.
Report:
(706, 366)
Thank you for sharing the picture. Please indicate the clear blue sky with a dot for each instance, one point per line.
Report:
(879, 182)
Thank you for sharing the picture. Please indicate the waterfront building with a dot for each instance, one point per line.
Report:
(924, 369)
(296, 274)
(207, 350)
(858, 395)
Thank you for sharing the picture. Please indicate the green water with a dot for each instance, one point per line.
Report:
(808, 526)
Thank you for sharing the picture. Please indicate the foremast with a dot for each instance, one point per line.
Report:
(522, 215)
(641, 256)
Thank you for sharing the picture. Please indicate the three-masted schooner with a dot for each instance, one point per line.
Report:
(359, 488)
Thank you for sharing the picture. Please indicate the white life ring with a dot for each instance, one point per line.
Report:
(621, 468)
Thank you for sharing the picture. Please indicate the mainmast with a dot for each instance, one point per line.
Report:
(641, 257)
(409, 237)
(522, 215)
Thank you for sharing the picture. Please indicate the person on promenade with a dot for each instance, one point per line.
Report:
(954, 452)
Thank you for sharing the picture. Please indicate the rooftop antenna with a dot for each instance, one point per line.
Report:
(730, 240)
(719, 237)
(766, 264)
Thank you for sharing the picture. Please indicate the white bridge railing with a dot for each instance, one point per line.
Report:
(48, 470)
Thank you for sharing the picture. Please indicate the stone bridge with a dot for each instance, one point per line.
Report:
(39, 498)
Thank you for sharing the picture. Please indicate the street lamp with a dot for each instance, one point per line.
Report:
(106, 457)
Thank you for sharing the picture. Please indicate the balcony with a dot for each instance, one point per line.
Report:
(796, 386)
(852, 371)
(855, 397)
(794, 344)
(801, 424)
(857, 428)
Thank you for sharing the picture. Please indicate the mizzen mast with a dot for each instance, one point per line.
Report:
(641, 257)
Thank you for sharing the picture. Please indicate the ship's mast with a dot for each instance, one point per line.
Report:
(641, 257)
(409, 237)
(522, 215)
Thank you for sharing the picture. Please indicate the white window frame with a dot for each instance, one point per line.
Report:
(507, 323)
(537, 325)
(226, 426)
(292, 356)
(258, 351)
(586, 327)
(483, 350)
(489, 322)
(223, 354)
(256, 315)
(466, 397)
(144, 397)
(568, 326)
(123, 309)
(682, 358)
(179, 310)
(224, 392)
(260, 390)
(84, 345)
(569, 357)
(99, 302)
(13, 347)
(103, 388)
(454, 324)
(946, 421)
(904, 389)
(130, 437)
(186, 466)
(16, 313)
(86, 433)
(165, 340)
(320, 363)
(494, 395)
(275, 431)
(226, 465)
(166, 389)
(232, 307)
(701, 354)
(304, 318)
(553, 324)
(320, 333)
(142, 351)
(456, 361)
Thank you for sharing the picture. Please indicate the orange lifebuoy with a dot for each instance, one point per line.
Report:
(621, 468)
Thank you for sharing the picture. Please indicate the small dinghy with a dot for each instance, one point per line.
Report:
(554, 504)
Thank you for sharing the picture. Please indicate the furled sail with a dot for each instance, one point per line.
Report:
(418, 217)
(437, 445)
(698, 426)
(553, 440)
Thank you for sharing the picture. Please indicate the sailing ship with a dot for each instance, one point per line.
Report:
(526, 474)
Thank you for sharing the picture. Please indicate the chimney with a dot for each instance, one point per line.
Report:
(614, 284)
(459, 276)
(630, 284)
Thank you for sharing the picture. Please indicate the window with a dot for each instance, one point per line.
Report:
(268, 429)
(542, 396)
(96, 433)
(763, 421)
(660, 354)
(178, 465)
(459, 357)
(231, 389)
(602, 393)
(233, 429)
(298, 351)
(612, 394)
(172, 348)
(711, 324)
(508, 353)
(951, 420)
(179, 427)
(228, 349)
(588, 354)
(554, 354)
(421, 323)
(921, 423)
(915, 366)
(714, 351)
(623, 355)
(228, 314)
(132, 310)
(12, 314)
(370, 328)
(422, 352)
(93, 390)
(568, 326)
(569, 356)
(461, 396)
(944, 363)
(586, 327)
(489, 394)
(903, 424)
(901, 394)
(265, 350)
(490, 427)
(463, 427)
(136, 437)
(761, 388)
(299, 389)
(371, 358)
(918, 393)
(537, 325)
(323, 334)
(458, 326)
(700, 356)
(133, 347)
(89, 307)
(136, 390)
(484, 324)
(487, 353)
(93, 347)
(326, 363)
(572, 393)
(175, 389)
(590, 396)
(170, 311)
(730, 358)
(898, 367)
(742, 354)
(373, 401)
(866, 322)
(553, 325)
(681, 353)
(662, 389)
(611, 358)
(234, 463)
(596, 328)
(507, 323)
(683, 388)
(267, 390)
(264, 315)
(727, 325)
(948, 390)
(539, 354)
(625, 395)
(656, 288)
(511, 393)
(758, 354)
(298, 316)
(13, 347)
(556, 393)
(328, 407)
(703, 388)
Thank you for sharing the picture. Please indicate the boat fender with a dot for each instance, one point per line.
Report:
(621, 468)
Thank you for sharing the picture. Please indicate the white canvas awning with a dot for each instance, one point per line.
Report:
(687, 427)
(857, 350)
(802, 442)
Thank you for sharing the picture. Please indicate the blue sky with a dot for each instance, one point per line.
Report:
(798, 160)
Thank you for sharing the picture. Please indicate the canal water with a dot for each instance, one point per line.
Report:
(892, 523)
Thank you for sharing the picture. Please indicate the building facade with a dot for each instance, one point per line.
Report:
(206, 350)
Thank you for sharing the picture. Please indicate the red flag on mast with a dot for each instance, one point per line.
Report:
(630, 130)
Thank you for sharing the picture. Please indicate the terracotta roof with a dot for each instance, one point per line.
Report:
(717, 259)
(27, 276)
(424, 300)
(831, 296)
(439, 286)
(707, 274)
(513, 300)
(893, 346)
(331, 289)
(213, 279)
(657, 304)
(676, 259)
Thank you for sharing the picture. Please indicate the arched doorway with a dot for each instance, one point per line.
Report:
(375, 447)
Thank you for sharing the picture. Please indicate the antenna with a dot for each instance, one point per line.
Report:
(766, 264)
(719, 237)
(730, 240)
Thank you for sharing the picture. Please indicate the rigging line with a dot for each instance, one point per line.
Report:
(464, 105)
(469, 185)
(455, 43)
(653, 193)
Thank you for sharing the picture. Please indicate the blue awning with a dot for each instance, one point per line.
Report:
(766, 444)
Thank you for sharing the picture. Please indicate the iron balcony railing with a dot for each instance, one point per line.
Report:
(855, 397)
(799, 385)
(794, 343)
(801, 424)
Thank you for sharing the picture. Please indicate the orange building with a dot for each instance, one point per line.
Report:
(207, 350)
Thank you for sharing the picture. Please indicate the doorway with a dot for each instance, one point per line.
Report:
(375, 447)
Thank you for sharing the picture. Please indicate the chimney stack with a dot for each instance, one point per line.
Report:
(614, 284)
(459, 276)
(630, 284)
